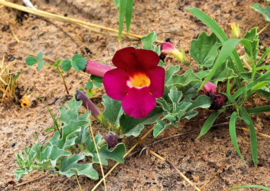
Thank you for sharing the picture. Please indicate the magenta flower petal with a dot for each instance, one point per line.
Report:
(133, 60)
(139, 102)
(115, 83)
(157, 80)
(124, 59)
(146, 59)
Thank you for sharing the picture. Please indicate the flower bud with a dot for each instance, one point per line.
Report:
(89, 105)
(209, 88)
(235, 30)
(111, 139)
(96, 68)
(168, 48)
(217, 102)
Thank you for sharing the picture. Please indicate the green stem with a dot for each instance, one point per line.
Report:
(63, 78)
(102, 142)
(61, 74)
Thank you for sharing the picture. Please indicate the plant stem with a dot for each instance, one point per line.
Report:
(61, 74)
(63, 78)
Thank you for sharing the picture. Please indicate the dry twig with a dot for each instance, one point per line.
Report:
(65, 19)
(26, 182)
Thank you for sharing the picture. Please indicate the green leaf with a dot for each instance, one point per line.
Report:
(264, 11)
(263, 93)
(183, 80)
(116, 154)
(208, 123)
(218, 32)
(41, 64)
(129, 8)
(89, 85)
(69, 134)
(226, 50)
(202, 101)
(148, 41)
(96, 78)
(49, 129)
(204, 50)
(113, 109)
(223, 73)
(69, 167)
(75, 66)
(66, 65)
(253, 36)
(232, 129)
(20, 172)
(131, 126)
(71, 114)
(40, 55)
(250, 186)
(258, 86)
(30, 60)
(122, 13)
(267, 51)
(253, 139)
(258, 110)
(97, 84)
(116, 3)
(175, 95)
(57, 62)
(170, 72)
(76, 56)
(159, 127)
(81, 63)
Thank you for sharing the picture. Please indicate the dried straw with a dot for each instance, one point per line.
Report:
(7, 83)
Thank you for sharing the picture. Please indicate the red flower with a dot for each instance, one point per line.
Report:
(137, 80)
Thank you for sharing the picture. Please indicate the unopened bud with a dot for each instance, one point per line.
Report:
(168, 48)
(217, 101)
(235, 30)
(89, 105)
(209, 88)
(111, 139)
(97, 69)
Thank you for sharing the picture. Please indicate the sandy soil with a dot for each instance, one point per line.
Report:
(196, 159)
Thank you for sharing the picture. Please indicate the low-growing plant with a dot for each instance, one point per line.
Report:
(139, 92)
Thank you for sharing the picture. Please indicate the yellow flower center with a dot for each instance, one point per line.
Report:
(138, 80)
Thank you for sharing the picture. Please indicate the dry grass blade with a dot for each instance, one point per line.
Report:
(172, 166)
(257, 133)
(64, 19)
(213, 176)
(101, 167)
(8, 82)
(30, 181)
(15, 36)
(78, 182)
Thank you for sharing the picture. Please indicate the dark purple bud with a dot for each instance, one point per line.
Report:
(217, 101)
(87, 103)
(111, 139)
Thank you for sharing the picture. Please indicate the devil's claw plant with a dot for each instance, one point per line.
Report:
(139, 92)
